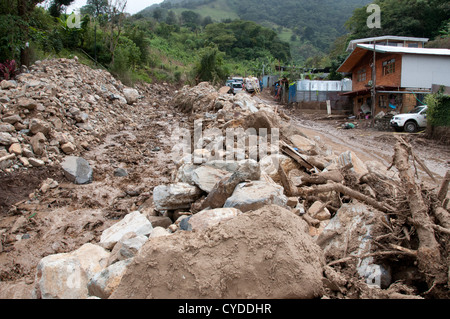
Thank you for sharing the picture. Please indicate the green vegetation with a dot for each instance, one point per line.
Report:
(310, 27)
(187, 41)
(166, 46)
(438, 108)
(417, 18)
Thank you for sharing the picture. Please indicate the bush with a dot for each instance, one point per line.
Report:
(438, 113)
(210, 67)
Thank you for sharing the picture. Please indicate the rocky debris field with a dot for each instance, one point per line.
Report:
(158, 192)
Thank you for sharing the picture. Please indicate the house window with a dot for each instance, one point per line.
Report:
(389, 67)
(361, 75)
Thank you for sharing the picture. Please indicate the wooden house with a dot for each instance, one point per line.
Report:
(403, 75)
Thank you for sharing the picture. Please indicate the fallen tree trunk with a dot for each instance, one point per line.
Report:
(337, 187)
(429, 258)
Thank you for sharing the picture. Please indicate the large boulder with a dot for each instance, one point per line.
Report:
(209, 217)
(256, 194)
(206, 177)
(246, 170)
(105, 282)
(66, 275)
(132, 222)
(175, 196)
(131, 95)
(260, 254)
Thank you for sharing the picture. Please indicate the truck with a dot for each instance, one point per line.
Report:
(412, 121)
(251, 84)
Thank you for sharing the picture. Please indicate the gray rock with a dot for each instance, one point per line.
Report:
(131, 95)
(77, 170)
(175, 196)
(38, 143)
(35, 162)
(256, 194)
(185, 225)
(248, 170)
(206, 177)
(103, 284)
(6, 127)
(12, 119)
(132, 222)
(131, 246)
(356, 223)
(120, 172)
(85, 126)
(6, 139)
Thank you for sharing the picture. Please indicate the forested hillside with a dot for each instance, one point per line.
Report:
(187, 42)
(309, 26)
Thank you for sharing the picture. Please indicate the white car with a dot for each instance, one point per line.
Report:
(412, 121)
(236, 87)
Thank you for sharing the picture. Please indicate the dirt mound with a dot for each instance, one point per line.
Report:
(261, 254)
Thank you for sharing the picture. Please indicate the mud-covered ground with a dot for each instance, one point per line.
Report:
(34, 224)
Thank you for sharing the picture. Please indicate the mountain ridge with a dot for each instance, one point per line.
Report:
(310, 27)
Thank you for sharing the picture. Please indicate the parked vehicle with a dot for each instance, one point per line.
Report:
(412, 121)
(251, 84)
(236, 87)
(237, 79)
(229, 82)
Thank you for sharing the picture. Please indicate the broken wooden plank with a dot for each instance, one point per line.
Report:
(288, 185)
(290, 151)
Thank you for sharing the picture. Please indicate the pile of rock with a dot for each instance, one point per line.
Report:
(253, 220)
(60, 107)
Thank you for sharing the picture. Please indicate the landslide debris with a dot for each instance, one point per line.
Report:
(206, 195)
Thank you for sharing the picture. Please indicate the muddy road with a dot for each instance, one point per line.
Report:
(369, 144)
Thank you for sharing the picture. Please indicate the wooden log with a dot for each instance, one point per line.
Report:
(429, 258)
(444, 187)
(337, 187)
(288, 185)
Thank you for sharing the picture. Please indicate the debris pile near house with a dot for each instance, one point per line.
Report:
(254, 208)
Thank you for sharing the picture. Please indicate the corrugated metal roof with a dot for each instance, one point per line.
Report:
(394, 38)
(404, 50)
(362, 49)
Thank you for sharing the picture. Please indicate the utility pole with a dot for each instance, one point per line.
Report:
(374, 79)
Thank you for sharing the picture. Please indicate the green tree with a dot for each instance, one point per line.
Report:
(210, 67)
(56, 6)
(419, 18)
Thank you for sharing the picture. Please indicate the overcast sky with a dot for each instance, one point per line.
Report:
(133, 6)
